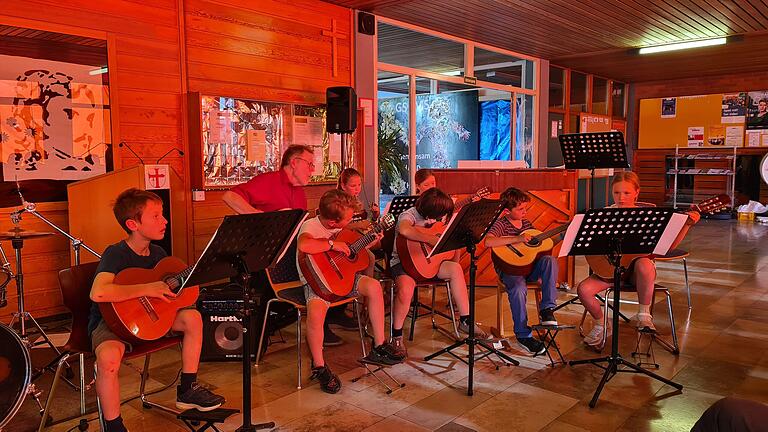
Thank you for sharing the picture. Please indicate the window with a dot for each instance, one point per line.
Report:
(503, 69)
(618, 100)
(402, 47)
(599, 96)
(578, 92)
(556, 88)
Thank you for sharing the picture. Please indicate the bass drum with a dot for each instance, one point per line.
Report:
(15, 373)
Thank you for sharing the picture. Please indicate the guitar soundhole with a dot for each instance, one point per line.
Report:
(353, 256)
(533, 243)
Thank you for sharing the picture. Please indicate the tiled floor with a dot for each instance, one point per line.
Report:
(724, 351)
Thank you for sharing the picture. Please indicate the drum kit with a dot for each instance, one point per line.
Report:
(16, 372)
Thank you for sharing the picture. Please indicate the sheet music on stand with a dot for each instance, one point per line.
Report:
(477, 222)
(638, 228)
(594, 150)
(235, 235)
(399, 204)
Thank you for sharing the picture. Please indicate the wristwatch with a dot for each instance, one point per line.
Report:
(330, 243)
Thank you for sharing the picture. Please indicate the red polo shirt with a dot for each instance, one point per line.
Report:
(272, 191)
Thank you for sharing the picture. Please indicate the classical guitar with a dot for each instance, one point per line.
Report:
(331, 274)
(413, 254)
(603, 268)
(518, 259)
(144, 319)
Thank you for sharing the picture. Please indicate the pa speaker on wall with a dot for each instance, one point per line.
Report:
(342, 109)
(366, 23)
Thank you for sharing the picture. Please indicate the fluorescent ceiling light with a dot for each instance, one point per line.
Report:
(683, 45)
(99, 71)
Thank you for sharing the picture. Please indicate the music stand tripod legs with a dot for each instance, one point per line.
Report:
(615, 360)
(471, 341)
(22, 315)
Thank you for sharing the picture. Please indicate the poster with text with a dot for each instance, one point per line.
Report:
(757, 110)
(734, 108)
(696, 136)
(734, 136)
(668, 107)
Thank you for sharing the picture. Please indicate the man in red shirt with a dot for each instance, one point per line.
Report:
(277, 190)
(281, 190)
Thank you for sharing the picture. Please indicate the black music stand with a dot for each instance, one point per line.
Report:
(621, 231)
(401, 203)
(465, 230)
(243, 244)
(592, 150)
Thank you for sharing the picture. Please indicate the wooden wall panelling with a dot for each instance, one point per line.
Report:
(145, 85)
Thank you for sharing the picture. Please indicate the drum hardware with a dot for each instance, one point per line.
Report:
(15, 376)
(16, 217)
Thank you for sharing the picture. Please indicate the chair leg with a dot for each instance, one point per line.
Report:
(414, 311)
(298, 347)
(52, 391)
(102, 421)
(263, 327)
(687, 287)
(432, 308)
(453, 312)
(674, 348)
(605, 317)
(391, 307)
(146, 403)
(81, 356)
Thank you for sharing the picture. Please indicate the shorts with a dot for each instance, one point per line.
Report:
(309, 294)
(397, 270)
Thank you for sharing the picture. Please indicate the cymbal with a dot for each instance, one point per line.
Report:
(17, 233)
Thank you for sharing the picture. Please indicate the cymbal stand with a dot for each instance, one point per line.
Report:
(77, 243)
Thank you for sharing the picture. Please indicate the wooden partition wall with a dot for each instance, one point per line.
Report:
(158, 52)
(553, 201)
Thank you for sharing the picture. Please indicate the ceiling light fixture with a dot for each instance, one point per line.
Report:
(683, 45)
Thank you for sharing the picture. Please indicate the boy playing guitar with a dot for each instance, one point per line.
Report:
(140, 213)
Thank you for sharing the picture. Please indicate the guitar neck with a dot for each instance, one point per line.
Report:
(367, 239)
(553, 232)
(175, 281)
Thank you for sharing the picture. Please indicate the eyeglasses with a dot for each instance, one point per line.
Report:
(309, 162)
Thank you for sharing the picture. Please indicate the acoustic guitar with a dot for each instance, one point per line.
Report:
(413, 254)
(331, 274)
(603, 268)
(518, 259)
(145, 319)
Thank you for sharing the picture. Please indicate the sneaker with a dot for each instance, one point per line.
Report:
(547, 317)
(342, 321)
(398, 347)
(645, 322)
(330, 338)
(533, 346)
(394, 353)
(329, 381)
(479, 333)
(595, 336)
(380, 357)
(199, 398)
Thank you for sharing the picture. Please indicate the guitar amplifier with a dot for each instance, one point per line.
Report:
(222, 329)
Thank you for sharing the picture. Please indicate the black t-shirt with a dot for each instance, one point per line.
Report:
(117, 258)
